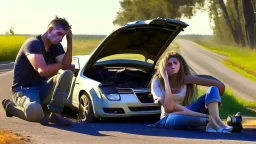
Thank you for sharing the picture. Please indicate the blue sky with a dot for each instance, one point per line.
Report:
(85, 16)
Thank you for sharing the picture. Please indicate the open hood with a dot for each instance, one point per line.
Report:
(149, 38)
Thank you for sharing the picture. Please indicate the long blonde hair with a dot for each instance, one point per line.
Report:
(184, 70)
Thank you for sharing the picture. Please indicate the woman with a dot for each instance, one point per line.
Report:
(173, 86)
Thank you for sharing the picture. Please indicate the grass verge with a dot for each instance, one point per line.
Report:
(9, 46)
(84, 46)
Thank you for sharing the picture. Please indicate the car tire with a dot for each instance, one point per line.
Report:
(86, 109)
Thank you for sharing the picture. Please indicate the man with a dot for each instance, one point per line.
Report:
(37, 80)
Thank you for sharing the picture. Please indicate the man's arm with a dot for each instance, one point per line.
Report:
(67, 59)
(60, 59)
(38, 62)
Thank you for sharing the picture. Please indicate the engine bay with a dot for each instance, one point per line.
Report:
(121, 77)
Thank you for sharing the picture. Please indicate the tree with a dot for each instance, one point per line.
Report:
(132, 10)
(249, 18)
(214, 16)
(228, 21)
(238, 24)
(231, 13)
(11, 31)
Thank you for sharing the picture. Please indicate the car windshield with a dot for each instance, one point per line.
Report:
(126, 56)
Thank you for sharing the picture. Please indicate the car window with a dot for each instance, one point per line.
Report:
(75, 62)
(126, 56)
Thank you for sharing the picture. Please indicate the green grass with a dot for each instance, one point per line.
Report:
(9, 46)
(238, 70)
(241, 60)
(84, 46)
(232, 104)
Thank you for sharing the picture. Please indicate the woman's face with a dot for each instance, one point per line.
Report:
(173, 66)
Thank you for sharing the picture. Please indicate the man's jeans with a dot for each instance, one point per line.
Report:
(178, 121)
(29, 100)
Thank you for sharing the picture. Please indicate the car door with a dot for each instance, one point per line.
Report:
(72, 100)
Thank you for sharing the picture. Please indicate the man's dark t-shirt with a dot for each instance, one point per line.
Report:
(24, 73)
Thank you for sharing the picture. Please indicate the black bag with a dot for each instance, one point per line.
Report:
(235, 121)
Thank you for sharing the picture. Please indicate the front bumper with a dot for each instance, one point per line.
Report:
(128, 106)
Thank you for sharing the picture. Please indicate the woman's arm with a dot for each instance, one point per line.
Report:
(165, 97)
(167, 100)
(179, 109)
(189, 79)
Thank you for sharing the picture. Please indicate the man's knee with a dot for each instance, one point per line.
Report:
(34, 112)
(67, 74)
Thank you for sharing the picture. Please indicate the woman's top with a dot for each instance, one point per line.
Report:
(158, 91)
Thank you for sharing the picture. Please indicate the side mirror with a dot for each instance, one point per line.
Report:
(76, 72)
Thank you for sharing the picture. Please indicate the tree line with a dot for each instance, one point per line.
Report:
(234, 20)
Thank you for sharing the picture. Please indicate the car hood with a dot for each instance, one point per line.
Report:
(149, 38)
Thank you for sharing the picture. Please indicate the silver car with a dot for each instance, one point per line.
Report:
(114, 80)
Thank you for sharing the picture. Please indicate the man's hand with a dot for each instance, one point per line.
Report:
(72, 68)
(69, 35)
(68, 56)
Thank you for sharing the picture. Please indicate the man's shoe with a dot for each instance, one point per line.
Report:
(5, 104)
(62, 121)
(44, 121)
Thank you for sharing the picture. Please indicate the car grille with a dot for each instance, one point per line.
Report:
(150, 108)
(114, 110)
(145, 97)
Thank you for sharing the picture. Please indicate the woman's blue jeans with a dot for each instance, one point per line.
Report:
(179, 121)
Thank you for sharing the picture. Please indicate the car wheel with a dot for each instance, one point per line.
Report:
(86, 109)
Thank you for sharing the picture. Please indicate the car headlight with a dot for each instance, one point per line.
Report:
(113, 97)
(110, 93)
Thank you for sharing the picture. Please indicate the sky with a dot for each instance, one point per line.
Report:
(85, 16)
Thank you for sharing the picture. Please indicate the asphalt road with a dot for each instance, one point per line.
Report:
(115, 131)
(6, 66)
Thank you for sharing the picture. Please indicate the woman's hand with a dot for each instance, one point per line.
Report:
(164, 74)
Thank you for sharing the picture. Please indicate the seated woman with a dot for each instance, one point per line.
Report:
(173, 87)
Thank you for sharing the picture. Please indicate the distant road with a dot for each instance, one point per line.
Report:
(206, 62)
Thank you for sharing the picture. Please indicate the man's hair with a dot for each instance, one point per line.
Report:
(60, 23)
